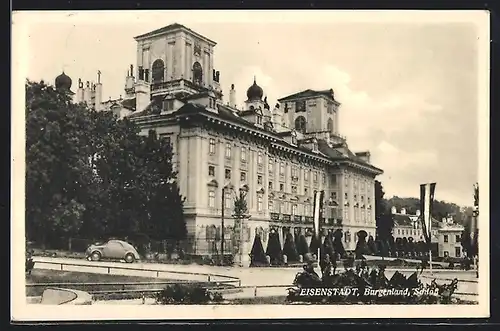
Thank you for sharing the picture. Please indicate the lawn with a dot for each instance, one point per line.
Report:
(69, 278)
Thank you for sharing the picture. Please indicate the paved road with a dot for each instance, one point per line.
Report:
(248, 276)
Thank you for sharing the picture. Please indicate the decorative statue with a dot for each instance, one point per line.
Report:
(80, 83)
(98, 76)
(217, 75)
(88, 84)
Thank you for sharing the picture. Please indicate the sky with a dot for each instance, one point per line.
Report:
(409, 88)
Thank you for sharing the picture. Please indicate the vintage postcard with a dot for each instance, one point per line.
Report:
(202, 164)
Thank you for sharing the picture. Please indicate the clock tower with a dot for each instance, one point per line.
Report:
(175, 59)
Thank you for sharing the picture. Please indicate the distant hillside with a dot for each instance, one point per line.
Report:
(441, 208)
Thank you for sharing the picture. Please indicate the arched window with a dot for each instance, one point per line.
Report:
(197, 73)
(158, 73)
(300, 124)
(329, 125)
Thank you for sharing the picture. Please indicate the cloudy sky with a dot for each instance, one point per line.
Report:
(408, 87)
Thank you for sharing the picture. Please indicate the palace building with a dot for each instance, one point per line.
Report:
(280, 154)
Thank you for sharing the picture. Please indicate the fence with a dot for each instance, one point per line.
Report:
(192, 246)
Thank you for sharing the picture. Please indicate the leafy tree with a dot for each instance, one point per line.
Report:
(257, 255)
(289, 249)
(58, 174)
(383, 216)
(240, 213)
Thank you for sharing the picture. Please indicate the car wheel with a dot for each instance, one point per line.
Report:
(96, 256)
(129, 258)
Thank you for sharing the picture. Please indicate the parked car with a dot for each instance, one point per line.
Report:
(112, 249)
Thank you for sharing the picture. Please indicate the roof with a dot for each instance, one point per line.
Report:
(402, 220)
(173, 27)
(309, 94)
(129, 104)
(226, 113)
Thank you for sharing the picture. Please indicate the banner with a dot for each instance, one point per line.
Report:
(426, 202)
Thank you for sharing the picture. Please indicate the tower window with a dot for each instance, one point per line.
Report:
(300, 124)
(197, 73)
(158, 74)
(329, 125)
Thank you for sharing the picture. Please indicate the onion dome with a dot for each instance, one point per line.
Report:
(63, 81)
(255, 92)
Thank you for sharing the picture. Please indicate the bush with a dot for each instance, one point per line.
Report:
(187, 294)
(289, 249)
(257, 254)
(373, 279)
(30, 264)
(274, 249)
(302, 247)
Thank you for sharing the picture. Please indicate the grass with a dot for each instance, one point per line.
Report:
(61, 278)
(39, 276)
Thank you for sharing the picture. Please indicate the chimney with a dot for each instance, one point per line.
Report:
(143, 95)
(87, 93)
(364, 156)
(232, 97)
(98, 92)
(79, 91)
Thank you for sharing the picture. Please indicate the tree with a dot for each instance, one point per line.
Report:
(58, 174)
(327, 247)
(361, 246)
(372, 246)
(289, 249)
(383, 216)
(274, 248)
(257, 255)
(337, 243)
(240, 213)
(301, 243)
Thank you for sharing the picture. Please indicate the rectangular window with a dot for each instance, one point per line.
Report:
(457, 238)
(227, 200)
(306, 191)
(323, 178)
(259, 179)
(346, 196)
(282, 169)
(294, 209)
(227, 174)
(243, 176)
(259, 202)
(333, 179)
(259, 119)
(270, 206)
(211, 148)
(458, 252)
(243, 154)
(445, 238)
(333, 195)
(211, 199)
(306, 175)
(294, 171)
(270, 187)
(294, 189)
(259, 158)
(228, 150)
(282, 187)
(315, 176)
(271, 167)
(211, 171)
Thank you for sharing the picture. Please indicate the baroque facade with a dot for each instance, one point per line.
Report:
(279, 155)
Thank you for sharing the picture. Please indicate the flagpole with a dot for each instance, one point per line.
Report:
(430, 243)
